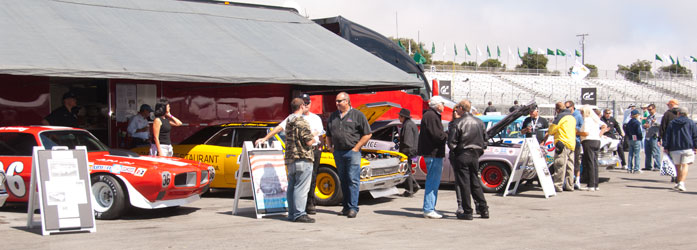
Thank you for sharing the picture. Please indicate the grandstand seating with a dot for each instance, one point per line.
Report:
(504, 87)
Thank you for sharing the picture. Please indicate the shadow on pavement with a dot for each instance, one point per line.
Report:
(145, 214)
(654, 188)
(641, 180)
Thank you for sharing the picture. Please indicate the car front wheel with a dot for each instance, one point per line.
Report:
(109, 197)
(328, 188)
(494, 176)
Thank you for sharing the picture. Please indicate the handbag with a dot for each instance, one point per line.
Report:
(667, 166)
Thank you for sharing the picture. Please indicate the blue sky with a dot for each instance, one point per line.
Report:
(620, 31)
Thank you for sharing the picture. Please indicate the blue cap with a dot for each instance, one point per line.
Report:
(635, 112)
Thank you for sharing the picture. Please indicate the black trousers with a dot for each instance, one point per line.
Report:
(458, 191)
(590, 161)
(465, 168)
(313, 182)
(577, 160)
(620, 152)
(411, 182)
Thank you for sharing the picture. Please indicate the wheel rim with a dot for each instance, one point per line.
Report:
(325, 187)
(492, 176)
(103, 195)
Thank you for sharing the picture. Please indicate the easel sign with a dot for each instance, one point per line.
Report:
(60, 182)
(267, 181)
(531, 155)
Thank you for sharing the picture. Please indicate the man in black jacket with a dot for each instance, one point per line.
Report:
(668, 116)
(432, 147)
(407, 146)
(615, 133)
(467, 140)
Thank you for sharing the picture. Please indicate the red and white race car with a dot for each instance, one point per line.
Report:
(119, 178)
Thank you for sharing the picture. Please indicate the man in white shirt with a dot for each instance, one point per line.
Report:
(317, 128)
(139, 127)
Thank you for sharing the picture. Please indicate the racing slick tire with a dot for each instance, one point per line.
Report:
(493, 176)
(328, 187)
(109, 197)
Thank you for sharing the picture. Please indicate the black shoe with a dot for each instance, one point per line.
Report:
(478, 211)
(464, 216)
(408, 194)
(352, 214)
(485, 214)
(311, 211)
(305, 219)
(343, 212)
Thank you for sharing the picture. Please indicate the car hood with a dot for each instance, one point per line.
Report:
(374, 110)
(510, 118)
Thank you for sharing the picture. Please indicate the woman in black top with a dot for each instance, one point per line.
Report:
(161, 127)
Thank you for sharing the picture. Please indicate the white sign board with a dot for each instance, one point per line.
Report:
(531, 159)
(60, 182)
(267, 179)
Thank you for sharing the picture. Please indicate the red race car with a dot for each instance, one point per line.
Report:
(119, 178)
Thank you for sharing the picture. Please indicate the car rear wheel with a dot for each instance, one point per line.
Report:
(109, 197)
(494, 176)
(328, 188)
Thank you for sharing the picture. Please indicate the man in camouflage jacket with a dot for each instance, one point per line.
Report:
(299, 159)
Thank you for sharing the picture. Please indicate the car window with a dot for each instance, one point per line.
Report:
(17, 144)
(70, 139)
(222, 138)
(201, 136)
(247, 134)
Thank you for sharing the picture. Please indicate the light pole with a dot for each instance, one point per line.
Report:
(583, 48)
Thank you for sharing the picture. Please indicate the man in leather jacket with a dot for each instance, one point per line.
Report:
(467, 140)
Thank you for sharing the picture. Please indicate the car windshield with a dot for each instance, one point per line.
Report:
(512, 131)
(71, 138)
(201, 136)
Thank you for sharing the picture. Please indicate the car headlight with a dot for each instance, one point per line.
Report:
(365, 173)
(166, 178)
(211, 173)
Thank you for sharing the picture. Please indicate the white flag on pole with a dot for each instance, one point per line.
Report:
(509, 51)
(540, 51)
(579, 71)
(444, 49)
(479, 52)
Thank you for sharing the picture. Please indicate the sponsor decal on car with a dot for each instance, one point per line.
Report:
(549, 146)
(116, 169)
(140, 172)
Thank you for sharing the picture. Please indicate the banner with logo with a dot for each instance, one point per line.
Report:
(589, 96)
(445, 89)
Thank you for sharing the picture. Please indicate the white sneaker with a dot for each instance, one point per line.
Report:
(433, 215)
(597, 189)
(624, 166)
(681, 187)
(676, 186)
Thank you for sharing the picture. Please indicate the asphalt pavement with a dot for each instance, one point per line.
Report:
(630, 211)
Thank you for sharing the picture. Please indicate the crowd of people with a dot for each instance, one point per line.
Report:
(574, 131)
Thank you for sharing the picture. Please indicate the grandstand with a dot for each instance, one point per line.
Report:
(503, 87)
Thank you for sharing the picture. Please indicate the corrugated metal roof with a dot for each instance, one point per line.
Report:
(181, 41)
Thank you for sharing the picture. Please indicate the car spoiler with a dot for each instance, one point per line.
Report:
(503, 123)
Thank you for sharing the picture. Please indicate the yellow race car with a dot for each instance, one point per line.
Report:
(220, 145)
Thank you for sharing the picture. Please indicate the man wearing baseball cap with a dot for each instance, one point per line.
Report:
(139, 127)
(317, 129)
(681, 143)
(634, 137)
(66, 115)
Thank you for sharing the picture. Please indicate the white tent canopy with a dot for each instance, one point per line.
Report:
(181, 41)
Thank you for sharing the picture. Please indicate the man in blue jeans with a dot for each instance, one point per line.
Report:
(299, 157)
(432, 147)
(347, 131)
(651, 150)
(633, 133)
